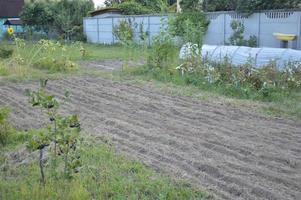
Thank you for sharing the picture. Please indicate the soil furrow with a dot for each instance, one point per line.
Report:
(234, 153)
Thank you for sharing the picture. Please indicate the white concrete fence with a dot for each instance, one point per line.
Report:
(262, 25)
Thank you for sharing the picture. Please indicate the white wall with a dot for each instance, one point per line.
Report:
(262, 25)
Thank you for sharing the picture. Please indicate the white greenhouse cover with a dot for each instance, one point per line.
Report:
(239, 55)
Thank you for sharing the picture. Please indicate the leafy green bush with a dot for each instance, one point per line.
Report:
(5, 128)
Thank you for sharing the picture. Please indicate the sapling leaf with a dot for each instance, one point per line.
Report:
(67, 94)
(43, 83)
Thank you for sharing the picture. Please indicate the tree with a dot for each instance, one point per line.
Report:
(248, 6)
(38, 15)
(191, 5)
(139, 6)
(252, 5)
(63, 17)
(111, 3)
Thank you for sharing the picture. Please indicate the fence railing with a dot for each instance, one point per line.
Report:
(262, 25)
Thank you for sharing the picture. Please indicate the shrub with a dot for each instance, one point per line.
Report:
(5, 128)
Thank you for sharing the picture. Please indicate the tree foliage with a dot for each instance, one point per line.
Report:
(136, 7)
(63, 17)
(248, 6)
(133, 8)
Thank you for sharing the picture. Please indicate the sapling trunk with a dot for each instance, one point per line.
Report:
(66, 162)
(42, 167)
(55, 129)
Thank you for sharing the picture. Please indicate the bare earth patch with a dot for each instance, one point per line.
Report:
(109, 65)
(233, 153)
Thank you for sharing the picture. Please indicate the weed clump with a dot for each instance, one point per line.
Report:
(5, 127)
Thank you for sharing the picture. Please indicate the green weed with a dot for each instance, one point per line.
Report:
(5, 128)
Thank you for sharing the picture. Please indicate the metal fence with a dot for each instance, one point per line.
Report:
(262, 25)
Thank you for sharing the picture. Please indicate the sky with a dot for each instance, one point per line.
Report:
(98, 2)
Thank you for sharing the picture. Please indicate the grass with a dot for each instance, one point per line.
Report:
(104, 175)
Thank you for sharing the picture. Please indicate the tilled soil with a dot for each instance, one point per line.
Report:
(109, 65)
(233, 153)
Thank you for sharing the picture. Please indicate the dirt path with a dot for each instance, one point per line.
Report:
(235, 154)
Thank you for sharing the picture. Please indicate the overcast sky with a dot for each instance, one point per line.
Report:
(98, 2)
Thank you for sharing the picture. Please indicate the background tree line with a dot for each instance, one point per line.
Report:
(62, 18)
(155, 6)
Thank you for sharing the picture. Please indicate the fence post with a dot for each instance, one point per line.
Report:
(259, 29)
(113, 39)
(224, 28)
(98, 41)
(84, 29)
(299, 36)
(149, 31)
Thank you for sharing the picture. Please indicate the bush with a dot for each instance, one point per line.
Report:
(5, 128)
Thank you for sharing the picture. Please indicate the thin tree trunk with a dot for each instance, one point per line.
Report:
(66, 163)
(42, 167)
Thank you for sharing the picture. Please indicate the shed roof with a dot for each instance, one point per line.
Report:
(105, 10)
(10, 8)
(13, 22)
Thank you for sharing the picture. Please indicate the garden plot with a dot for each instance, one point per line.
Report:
(233, 153)
(109, 65)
